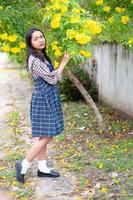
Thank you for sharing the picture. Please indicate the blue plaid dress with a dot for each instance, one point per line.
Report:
(45, 110)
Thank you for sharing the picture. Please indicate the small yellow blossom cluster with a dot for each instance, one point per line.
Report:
(56, 48)
(119, 10)
(81, 38)
(92, 26)
(99, 2)
(125, 19)
(55, 22)
(6, 39)
(58, 6)
(86, 54)
(74, 19)
(106, 9)
(8, 49)
(111, 19)
(56, 64)
(10, 38)
(130, 42)
(59, 1)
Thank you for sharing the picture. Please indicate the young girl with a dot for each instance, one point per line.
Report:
(45, 111)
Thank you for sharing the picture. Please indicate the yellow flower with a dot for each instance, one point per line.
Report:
(12, 38)
(64, 9)
(104, 189)
(74, 19)
(54, 45)
(59, 1)
(58, 52)
(55, 22)
(122, 9)
(56, 64)
(106, 8)
(55, 42)
(1, 7)
(22, 45)
(130, 41)
(15, 183)
(4, 36)
(82, 38)
(93, 27)
(89, 23)
(56, 5)
(125, 19)
(99, 2)
(15, 50)
(75, 10)
(57, 16)
(98, 29)
(5, 48)
(2, 168)
(64, 1)
(100, 165)
(119, 10)
(111, 20)
(79, 198)
(70, 33)
(86, 54)
(131, 1)
(116, 180)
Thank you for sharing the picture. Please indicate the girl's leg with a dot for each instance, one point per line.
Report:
(37, 148)
(42, 154)
(42, 164)
(33, 152)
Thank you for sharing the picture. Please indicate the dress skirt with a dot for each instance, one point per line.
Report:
(46, 110)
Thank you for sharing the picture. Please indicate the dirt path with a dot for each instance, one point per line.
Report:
(16, 92)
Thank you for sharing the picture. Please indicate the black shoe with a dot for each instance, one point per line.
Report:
(52, 174)
(19, 176)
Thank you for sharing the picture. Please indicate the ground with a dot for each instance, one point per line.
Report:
(92, 166)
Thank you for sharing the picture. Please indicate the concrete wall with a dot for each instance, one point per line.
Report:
(114, 76)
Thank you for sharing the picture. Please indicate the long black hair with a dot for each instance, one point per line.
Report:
(31, 50)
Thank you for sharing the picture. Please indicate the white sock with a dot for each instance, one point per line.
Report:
(25, 166)
(42, 166)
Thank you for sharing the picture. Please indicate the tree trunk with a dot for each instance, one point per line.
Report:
(87, 98)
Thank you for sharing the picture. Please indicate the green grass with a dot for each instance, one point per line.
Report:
(14, 117)
(117, 156)
(84, 150)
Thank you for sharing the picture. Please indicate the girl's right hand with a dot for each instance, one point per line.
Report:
(65, 58)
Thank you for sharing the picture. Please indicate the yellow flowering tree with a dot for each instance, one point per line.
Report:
(117, 20)
(12, 44)
(15, 19)
(70, 28)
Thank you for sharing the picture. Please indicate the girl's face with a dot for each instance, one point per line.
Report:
(38, 40)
